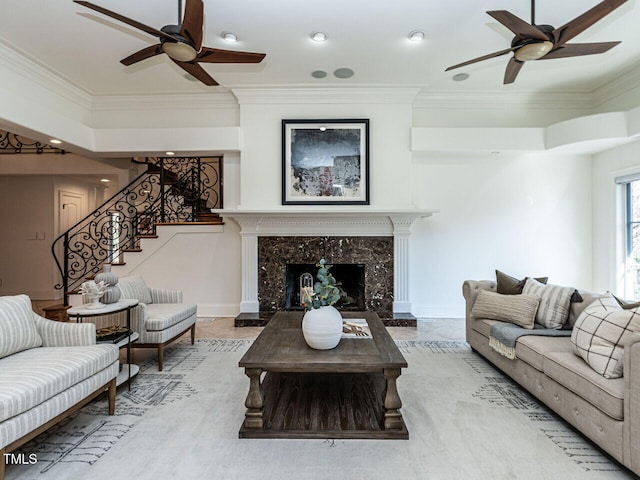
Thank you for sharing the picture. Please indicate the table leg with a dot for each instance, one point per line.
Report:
(392, 402)
(255, 399)
(129, 347)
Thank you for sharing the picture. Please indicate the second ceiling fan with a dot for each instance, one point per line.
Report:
(544, 42)
(182, 43)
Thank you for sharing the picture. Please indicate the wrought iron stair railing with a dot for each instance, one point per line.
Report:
(172, 190)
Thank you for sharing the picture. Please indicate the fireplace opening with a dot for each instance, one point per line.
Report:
(351, 282)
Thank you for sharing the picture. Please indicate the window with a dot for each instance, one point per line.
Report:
(631, 196)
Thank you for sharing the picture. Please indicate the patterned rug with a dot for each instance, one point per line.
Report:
(465, 420)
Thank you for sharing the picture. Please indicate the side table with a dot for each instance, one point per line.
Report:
(126, 304)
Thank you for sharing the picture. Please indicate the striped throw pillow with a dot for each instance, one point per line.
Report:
(134, 286)
(18, 331)
(600, 333)
(517, 309)
(555, 302)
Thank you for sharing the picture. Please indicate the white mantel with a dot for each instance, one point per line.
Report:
(336, 221)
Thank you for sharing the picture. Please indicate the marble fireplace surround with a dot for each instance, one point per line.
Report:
(323, 225)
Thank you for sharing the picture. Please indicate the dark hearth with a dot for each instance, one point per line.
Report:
(350, 279)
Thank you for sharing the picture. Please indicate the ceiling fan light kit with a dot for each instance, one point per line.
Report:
(533, 51)
(544, 42)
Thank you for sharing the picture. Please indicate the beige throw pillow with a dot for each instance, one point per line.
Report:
(517, 309)
(600, 333)
(555, 302)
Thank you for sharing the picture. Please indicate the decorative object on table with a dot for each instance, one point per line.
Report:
(112, 334)
(325, 162)
(113, 293)
(322, 322)
(92, 292)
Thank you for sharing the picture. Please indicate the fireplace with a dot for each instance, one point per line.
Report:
(377, 239)
(350, 278)
(359, 262)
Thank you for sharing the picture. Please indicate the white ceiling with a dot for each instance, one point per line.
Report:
(370, 37)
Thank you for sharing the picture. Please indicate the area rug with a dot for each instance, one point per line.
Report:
(465, 419)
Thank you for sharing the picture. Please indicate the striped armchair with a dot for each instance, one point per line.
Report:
(161, 317)
(48, 370)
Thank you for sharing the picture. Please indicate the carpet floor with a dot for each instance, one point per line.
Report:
(465, 419)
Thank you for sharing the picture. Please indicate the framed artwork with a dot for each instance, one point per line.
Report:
(325, 162)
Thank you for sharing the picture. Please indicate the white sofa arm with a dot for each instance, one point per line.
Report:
(631, 428)
(159, 295)
(60, 334)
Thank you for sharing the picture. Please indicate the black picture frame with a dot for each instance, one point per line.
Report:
(325, 162)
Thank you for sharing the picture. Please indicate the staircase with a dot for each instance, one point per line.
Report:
(172, 190)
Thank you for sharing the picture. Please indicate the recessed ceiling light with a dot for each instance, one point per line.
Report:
(229, 37)
(55, 141)
(323, 128)
(343, 73)
(318, 36)
(105, 180)
(170, 153)
(318, 74)
(416, 36)
(460, 77)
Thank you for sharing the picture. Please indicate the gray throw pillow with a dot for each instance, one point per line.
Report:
(508, 285)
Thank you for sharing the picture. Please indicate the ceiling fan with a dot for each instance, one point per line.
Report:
(182, 43)
(543, 42)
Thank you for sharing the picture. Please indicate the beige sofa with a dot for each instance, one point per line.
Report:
(48, 370)
(607, 411)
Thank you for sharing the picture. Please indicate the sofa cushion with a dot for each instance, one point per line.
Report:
(555, 302)
(517, 309)
(532, 348)
(600, 333)
(33, 376)
(508, 285)
(573, 373)
(134, 286)
(18, 331)
(161, 316)
(483, 326)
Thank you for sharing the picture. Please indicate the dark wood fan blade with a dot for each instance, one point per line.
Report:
(517, 25)
(485, 57)
(513, 68)
(579, 49)
(143, 54)
(192, 22)
(213, 55)
(579, 24)
(128, 21)
(197, 71)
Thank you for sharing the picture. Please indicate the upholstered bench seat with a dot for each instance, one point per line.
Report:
(161, 316)
(32, 376)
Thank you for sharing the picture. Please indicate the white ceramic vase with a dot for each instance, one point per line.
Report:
(322, 327)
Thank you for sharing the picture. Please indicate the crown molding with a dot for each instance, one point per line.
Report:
(19, 62)
(351, 95)
(172, 101)
(620, 85)
(498, 100)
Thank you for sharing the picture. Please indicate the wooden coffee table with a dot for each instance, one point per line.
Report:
(298, 392)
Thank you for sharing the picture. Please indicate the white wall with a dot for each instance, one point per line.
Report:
(526, 216)
(261, 158)
(607, 260)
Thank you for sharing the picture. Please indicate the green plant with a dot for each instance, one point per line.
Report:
(324, 292)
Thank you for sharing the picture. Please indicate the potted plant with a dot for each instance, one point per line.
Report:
(322, 322)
